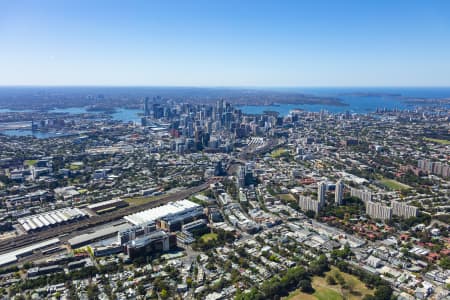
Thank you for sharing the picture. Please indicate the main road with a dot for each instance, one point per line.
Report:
(27, 239)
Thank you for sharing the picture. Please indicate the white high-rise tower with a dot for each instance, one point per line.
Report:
(321, 190)
(339, 192)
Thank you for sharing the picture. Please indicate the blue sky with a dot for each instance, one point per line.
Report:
(225, 43)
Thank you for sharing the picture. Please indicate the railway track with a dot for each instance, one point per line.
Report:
(27, 239)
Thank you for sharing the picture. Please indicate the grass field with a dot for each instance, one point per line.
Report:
(326, 294)
(278, 153)
(324, 291)
(297, 295)
(197, 200)
(209, 236)
(394, 185)
(286, 197)
(74, 167)
(437, 141)
(321, 293)
(30, 162)
(141, 200)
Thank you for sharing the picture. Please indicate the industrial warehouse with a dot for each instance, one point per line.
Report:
(53, 218)
(170, 216)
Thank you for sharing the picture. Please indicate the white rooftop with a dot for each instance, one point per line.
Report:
(11, 257)
(107, 202)
(156, 213)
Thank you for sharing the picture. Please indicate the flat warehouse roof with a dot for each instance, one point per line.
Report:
(156, 213)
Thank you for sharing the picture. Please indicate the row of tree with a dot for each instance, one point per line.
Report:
(279, 286)
(294, 278)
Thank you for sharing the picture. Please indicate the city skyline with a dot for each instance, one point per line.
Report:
(224, 150)
(225, 44)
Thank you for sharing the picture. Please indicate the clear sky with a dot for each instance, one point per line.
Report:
(225, 43)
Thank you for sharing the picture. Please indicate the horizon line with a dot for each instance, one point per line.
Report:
(220, 86)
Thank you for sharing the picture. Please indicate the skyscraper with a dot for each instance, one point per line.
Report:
(321, 190)
(241, 176)
(146, 107)
(339, 192)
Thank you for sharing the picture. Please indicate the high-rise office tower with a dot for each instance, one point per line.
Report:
(241, 176)
(146, 107)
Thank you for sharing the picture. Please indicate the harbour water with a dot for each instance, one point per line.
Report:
(29, 132)
(127, 115)
(121, 114)
(354, 98)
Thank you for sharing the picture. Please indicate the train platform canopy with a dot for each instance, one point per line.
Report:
(104, 206)
(13, 256)
(84, 239)
(51, 218)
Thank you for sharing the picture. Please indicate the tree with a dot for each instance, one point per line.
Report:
(331, 280)
(340, 279)
(310, 214)
(305, 286)
(92, 291)
(163, 294)
(383, 292)
(119, 285)
(28, 265)
(189, 282)
(351, 284)
(272, 287)
(319, 266)
(254, 294)
(141, 289)
(445, 262)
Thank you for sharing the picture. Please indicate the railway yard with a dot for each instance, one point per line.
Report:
(87, 224)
